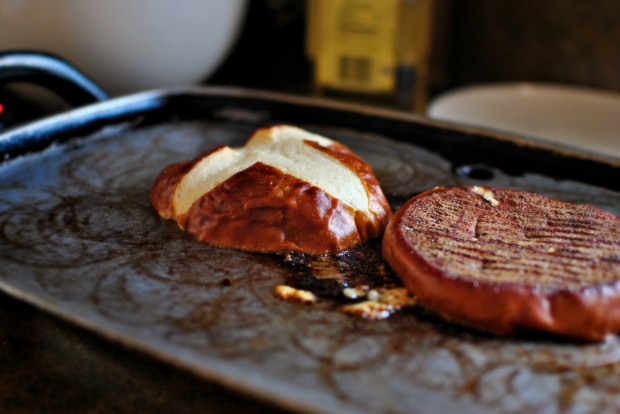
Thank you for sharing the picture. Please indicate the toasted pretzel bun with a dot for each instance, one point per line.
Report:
(286, 189)
(504, 260)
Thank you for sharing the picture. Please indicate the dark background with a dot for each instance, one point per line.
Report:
(574, 42)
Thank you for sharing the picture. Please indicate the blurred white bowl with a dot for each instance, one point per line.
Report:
(127, 45)
(579, 117)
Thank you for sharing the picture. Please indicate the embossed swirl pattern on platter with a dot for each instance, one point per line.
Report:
(85, 234)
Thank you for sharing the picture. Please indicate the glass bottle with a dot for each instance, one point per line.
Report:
(372, 51)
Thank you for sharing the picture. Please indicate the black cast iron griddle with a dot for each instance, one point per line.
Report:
(79, 239)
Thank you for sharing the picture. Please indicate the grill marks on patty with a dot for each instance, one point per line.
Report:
(523, 239)
(504, 260)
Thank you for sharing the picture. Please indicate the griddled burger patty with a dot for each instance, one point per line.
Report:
(501, 260)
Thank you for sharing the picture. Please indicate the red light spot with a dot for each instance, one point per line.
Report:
(1, 108)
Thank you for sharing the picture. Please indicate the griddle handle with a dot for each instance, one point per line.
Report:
(51, 72)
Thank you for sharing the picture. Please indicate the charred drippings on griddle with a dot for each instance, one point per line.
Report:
(328, 275)
(361, 268)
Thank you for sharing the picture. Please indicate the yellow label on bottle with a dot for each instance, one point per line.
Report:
(355, 46)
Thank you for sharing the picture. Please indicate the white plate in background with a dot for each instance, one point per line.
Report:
(583, 118)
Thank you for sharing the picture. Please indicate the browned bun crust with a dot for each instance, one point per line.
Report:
(162, 190)
(528, 262)
(368, 227)
(263, 209)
